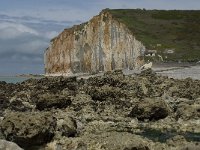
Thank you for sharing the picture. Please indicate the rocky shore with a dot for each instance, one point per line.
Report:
(114, 111)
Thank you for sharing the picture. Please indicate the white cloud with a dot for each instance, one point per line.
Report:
(21, 43)
(13, 30)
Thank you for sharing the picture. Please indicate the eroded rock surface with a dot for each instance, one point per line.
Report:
(111, 111)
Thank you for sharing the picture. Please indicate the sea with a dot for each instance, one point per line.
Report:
(172, 72)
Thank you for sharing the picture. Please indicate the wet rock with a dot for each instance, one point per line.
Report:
(188, 111)
(18, 105)
(147, 72)
(151, 109)
(6, 145)
(4, 103)
(52, 84)
(59, 83)
(28, 129)
(97, 113)
(47, 101)
(104, 92)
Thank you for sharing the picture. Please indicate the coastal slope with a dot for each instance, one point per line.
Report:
(173, 34)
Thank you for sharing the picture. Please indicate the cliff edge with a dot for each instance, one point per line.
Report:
(101, 44)
(118, 39)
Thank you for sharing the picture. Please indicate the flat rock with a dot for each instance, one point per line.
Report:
(104, 141)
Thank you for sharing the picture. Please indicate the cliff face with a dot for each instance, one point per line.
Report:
(102, 44)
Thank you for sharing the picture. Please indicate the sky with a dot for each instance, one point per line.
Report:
(27, 26)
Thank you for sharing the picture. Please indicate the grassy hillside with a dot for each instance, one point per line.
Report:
(161, 30)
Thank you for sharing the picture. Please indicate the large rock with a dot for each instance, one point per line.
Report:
(150, 108)
(28, 129)
(6, 145)
(47, 101)
(4, 103)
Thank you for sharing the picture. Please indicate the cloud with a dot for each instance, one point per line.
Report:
(22, 47)
(22, 43)
(13, 30)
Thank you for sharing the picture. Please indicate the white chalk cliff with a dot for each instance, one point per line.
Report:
(101, 44)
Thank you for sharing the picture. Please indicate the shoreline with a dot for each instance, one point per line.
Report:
(152, 110)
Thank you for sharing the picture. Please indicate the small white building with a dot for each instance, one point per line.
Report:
(169, 51)
(151, 53)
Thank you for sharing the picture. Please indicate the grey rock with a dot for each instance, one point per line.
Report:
(28, 129)
(6, 145)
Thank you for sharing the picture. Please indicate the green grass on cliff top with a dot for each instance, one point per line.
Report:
(173, 29)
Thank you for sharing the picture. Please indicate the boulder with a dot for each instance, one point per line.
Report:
(4, 103)
(47, 101)
(6, 145)
(28, 128)
(151, 109)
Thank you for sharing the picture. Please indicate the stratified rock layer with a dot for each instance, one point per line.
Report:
(102, 44)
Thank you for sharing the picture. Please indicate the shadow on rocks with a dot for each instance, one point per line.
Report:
(28, 129)
(151, 109)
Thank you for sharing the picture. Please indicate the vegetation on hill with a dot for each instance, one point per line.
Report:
(165, 29)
